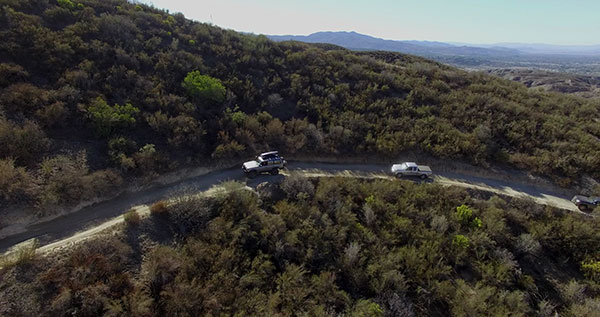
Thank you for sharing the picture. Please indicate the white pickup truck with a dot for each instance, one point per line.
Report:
(411, 169)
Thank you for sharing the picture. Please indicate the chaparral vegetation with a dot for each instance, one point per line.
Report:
(94, 91)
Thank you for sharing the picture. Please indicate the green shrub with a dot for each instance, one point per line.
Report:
(204, 87)
(109, 119)
(460, 241)
(591, 269)
(464, 214)
(67, 4)
(366, 308)
(476, 223)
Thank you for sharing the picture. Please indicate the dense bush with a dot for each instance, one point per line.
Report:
(204, 87)
(108, 119)
(319, 254)
(65, 179)
(15, 182)
(25, 144)
(80, 74)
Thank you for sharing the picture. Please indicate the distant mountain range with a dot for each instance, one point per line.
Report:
(357, 41)
(573, 59)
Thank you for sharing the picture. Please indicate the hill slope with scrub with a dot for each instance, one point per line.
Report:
(93, 92)
(322, 247)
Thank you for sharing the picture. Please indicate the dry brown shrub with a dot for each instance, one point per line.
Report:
(132, 218)
(159, 208)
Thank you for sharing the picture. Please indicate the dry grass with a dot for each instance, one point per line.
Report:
(22, 255)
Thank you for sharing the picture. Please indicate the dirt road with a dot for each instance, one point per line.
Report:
(90, 220)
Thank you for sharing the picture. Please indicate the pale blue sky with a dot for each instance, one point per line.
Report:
(469, 21)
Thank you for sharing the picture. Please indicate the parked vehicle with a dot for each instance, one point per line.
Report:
(411, 169)
(585, 203)
(268, 162)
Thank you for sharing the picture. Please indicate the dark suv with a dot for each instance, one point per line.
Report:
(585, 203)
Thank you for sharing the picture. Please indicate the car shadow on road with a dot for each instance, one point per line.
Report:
(417, 180)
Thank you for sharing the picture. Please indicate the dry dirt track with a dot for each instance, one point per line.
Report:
(88, 221)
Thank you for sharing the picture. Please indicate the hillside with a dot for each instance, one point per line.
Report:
(322, 247)
(96, 93)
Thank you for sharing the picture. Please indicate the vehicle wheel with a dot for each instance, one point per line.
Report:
(582, 207)
(398, 175)
(274, 171)
(423, 176)
(252, 174)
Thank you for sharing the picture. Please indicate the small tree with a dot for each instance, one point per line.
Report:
(204, 87)
(107, 119)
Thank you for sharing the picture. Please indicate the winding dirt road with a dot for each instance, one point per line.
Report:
(90, 220)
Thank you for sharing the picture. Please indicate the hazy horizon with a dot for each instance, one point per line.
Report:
(463, 21)
(445, 42)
